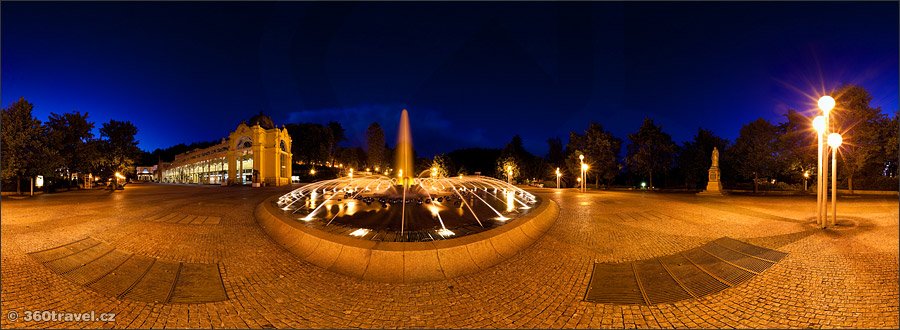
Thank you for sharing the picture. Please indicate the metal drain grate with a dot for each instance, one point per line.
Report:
(614, 284)
(99, 266)
(659, 286)
(697, 272)
(749, 249)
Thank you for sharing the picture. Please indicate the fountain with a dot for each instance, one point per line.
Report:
(376, 214)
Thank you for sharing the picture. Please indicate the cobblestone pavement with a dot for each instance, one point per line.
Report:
(841, 278)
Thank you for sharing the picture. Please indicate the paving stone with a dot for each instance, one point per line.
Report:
(841, 278)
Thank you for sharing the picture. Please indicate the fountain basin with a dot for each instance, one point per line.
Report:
(385, 261)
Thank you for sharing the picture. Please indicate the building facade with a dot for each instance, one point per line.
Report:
(146, 173)
(255, 152)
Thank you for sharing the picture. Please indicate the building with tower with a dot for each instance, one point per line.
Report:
(256, 152)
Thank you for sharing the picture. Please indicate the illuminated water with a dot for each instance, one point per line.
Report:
(406, 208)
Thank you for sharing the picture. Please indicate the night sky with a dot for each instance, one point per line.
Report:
(470, 74)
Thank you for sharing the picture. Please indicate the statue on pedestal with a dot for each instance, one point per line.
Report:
(714, 186)
(715, 157)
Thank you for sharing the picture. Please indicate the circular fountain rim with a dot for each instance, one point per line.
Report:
(541, 206)
(418, 261)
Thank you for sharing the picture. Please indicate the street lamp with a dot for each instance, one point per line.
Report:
(581, 179)
(805, 178)
(819, 125)
(557, 178)
(351, 174)
(433, 172)
(826, 103)
(834, 141)
(584, 168)
(509, 174)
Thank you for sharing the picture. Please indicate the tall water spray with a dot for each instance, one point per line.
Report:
(403, 151)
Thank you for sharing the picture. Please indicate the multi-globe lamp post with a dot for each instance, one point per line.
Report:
(834, 140)
(509, 174)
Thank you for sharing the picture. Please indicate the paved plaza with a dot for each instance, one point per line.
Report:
(845, 277)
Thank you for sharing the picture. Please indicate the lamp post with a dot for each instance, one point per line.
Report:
(584, 168)
(557, 178)
(826, 103)
(805, 178)
(834, 141)
(819, 124)
(581, 178)
(509, 174)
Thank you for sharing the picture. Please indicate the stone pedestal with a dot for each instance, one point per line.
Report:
(714, 186)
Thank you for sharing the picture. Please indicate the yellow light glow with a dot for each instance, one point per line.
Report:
(805, 174)
(557, 171)
(579, 179)
(445, 232)
(581, 157)
(313, 172)
(835, 140)
(460, 176)
(819, 123)
(359, 232)
(826, 103)
(584, 166)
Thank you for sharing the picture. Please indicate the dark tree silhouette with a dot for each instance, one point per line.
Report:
(651, 150)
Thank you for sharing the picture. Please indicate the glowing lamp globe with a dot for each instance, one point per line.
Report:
(835, 140)
(819, 123)
(826, 103)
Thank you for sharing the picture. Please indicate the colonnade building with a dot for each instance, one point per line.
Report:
(255, 152)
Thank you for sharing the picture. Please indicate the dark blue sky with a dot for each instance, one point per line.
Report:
(470, 74)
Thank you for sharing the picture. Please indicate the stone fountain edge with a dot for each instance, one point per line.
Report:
(406, 261)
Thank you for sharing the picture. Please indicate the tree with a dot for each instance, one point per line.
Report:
(556, 154)
(375, 145)
(476, 160)
(798, 147)
(350, 158)
(601, 151)
(507, 168)
(443, 165)
(119, 150)
(651, 150)
(695, 157)
(859, 126)
(891, 133)
(68, 135)
(23, 143)
(337, 136)
(755, 151)
(462, 170)
(313, 142)
(514, 155)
